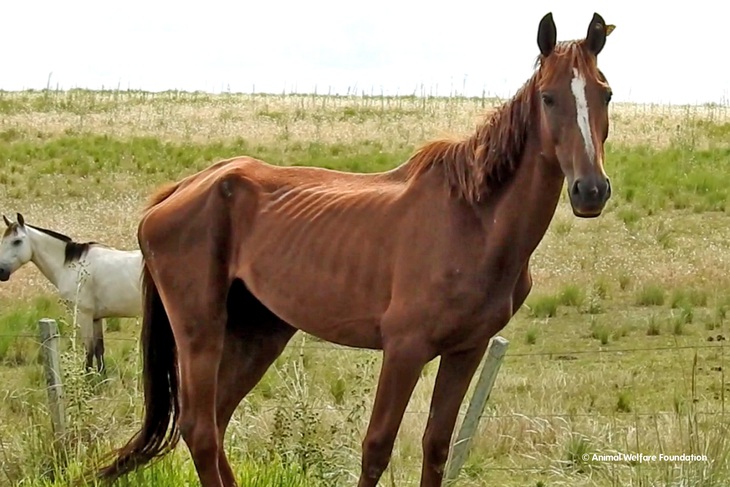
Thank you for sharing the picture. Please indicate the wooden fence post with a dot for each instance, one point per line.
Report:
(50, 340)
(460, 448)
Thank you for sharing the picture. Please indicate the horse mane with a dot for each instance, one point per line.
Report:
(73, 251)
(479, 164)
(483, 162)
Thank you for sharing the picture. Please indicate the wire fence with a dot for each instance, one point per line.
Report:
(334, 347)
(713, 356)
(566, 355)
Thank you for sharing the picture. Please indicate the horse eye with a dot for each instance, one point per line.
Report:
(548, 99)
(609, 94)
(17, 242)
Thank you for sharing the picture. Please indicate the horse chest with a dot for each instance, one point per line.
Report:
(459, 291)
(472, 294)
(464, 317)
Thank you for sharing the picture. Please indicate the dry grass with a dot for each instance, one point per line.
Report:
(268, 119)
(589, 379)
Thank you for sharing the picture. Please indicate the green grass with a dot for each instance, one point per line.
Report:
(571, 295)
(543, 306)
(174, 471)
(651, 295)
(17, 335)
(649, 179)
(49, 168)
(620, 347)
(677, 177)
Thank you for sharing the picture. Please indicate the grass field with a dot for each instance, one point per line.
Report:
(619, 348)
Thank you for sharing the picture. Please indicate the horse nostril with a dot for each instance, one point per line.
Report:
(575, 189)
(586, 190)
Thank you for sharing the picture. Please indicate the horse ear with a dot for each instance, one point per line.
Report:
(597, 33)
(7, 222)
(547, 34)
(21, 220)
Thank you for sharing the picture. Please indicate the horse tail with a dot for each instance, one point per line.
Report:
(160, 432)
(163, 192)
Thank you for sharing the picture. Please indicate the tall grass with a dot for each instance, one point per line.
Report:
(602, 355)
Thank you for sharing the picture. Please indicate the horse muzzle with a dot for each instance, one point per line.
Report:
(588, 196)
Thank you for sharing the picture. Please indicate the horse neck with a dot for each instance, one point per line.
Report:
(526, 204)
(48, 254)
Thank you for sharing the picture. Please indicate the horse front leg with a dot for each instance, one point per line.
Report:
(452, 381)
(85, 321)
(403, 360)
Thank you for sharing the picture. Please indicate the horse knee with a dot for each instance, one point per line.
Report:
(376, 452)
(187, 427)
(436, 451)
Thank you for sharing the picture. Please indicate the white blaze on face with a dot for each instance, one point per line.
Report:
(578, 87)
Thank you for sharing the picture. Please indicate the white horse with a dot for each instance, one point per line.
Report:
(101, 282)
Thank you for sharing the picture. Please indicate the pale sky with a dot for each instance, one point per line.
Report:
(658, 53)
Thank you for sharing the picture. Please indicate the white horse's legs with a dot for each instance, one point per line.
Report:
(98, 346)
(86, 324)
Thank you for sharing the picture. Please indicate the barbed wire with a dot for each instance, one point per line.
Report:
(489, 415)
(336, 348)
(331, 347)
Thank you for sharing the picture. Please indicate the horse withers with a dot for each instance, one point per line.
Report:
(429, 259)
(99, 281)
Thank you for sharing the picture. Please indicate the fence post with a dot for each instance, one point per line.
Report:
(460, 450)
(52, 364)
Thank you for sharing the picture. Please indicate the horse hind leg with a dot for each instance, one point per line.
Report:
(196, 303)
(199, 328)
(199, 358)
(254, 339)
(246, 358)
(98, 348)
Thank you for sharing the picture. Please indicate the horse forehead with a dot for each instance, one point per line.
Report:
(584, 84)
(570, 61)
(578, 83)
(569, 72)
(585, 75)
(11, 230)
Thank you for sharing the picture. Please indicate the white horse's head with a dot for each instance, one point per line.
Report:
(15, 247)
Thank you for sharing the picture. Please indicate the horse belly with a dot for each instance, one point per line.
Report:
(320, 307)
(124, 305)
(336, 287)
(352, 331)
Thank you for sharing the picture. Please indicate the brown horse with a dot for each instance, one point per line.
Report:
(428, 259)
